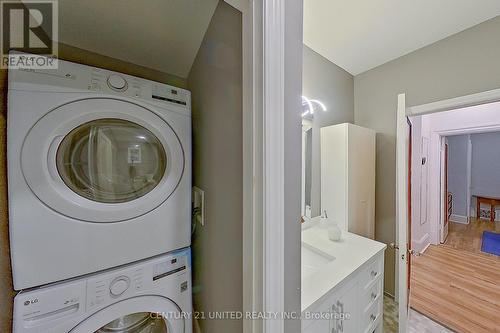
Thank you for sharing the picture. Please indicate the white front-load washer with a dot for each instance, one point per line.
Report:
(153, 296)
(99, 171)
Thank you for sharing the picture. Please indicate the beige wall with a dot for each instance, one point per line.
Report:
(76, 55)
(462, 64)
(215, 81)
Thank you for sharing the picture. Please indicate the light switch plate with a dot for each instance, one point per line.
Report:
(199, 202)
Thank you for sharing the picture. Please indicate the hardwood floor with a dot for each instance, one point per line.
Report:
(468, 236)
(456, 287)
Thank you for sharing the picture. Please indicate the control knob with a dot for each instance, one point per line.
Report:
(117, 82)
(119, 285)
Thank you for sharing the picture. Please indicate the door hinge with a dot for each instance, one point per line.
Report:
(394, 246)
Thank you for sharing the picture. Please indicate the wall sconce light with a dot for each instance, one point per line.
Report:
(309, 104)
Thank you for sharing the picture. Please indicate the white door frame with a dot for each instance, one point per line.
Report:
(263, 157)
(401, 170)
(252, 158)
(469, 177)
(401, 211)
(443, 233)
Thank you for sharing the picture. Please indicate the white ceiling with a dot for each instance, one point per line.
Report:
(359, 35)
(160, 34)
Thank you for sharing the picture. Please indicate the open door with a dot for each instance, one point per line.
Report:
(402, 211)
(445, 214)
(408, 265)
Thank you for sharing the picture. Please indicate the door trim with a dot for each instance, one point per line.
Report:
(264, 98)
(274, 182)
(484, 97)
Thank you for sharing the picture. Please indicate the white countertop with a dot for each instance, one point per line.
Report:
(350, 253)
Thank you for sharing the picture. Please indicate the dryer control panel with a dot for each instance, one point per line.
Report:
(71, 76)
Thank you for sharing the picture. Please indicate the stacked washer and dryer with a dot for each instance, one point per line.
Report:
(99, 172)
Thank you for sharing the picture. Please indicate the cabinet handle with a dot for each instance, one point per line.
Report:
(374, 296)
(340, 306)
(374, 273)
(333, 319)
(373, 317)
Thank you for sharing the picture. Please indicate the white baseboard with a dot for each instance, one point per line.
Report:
(419, 245)
(425, 248)
(459, 219)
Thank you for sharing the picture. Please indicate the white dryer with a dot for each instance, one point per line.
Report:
(153, 296)
(99, 171)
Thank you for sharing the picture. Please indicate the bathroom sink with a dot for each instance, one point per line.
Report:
(313, 260)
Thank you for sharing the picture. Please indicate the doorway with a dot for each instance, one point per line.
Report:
(453, 280)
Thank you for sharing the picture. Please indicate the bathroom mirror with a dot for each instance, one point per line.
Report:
(306, 168)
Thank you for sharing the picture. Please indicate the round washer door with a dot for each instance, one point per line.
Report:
(142, 314)
(102, 160)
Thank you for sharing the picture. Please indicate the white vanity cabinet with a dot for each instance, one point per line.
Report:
(355, 305)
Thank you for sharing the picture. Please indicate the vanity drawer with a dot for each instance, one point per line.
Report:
(372, 295)
(371, 273)
(372, 317)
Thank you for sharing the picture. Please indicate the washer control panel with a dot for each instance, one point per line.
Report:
(109, 287)
(103, 289)
(67, 303)
(119, 285)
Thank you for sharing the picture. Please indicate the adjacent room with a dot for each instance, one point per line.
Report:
(455, 163)
(473, 189)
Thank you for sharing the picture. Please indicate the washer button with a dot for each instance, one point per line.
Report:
(117, 82)
(119, 286)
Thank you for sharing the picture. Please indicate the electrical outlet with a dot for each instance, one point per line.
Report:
(198, 198)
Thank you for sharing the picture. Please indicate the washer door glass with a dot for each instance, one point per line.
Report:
(141, 322)
(111, 160)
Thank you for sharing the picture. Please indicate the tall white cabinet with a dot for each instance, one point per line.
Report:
(348, 177)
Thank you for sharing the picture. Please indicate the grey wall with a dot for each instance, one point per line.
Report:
(325, 81)
(457, 172)
(485, 169)
(462, 64)
(293, 139)
(215, 82)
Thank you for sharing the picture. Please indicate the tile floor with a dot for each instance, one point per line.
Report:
(418, 323)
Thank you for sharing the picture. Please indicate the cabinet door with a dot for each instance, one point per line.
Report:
(319, 326)
(318, 321)
(346, 311)
(361, 181)
(334, 173)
